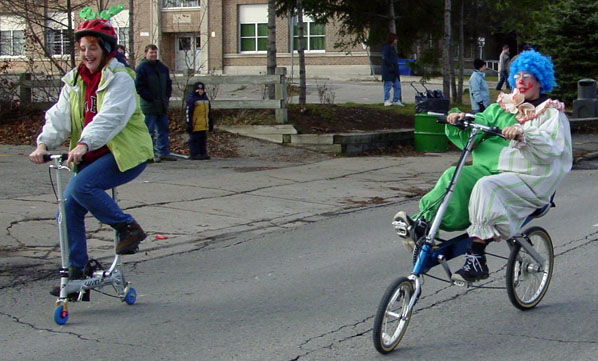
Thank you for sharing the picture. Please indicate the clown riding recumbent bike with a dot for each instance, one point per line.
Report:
(96, 277)
(529, 265)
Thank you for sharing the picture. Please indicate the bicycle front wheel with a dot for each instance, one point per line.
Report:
(392, 317)
(527, 279)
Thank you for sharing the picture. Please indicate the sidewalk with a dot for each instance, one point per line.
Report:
(192, 203)
(195, 203)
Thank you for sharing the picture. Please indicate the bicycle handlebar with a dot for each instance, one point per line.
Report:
(468, 122)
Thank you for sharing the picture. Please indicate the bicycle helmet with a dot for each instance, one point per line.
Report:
(99, 28)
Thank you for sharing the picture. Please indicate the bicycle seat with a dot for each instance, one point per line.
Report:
(543, 210)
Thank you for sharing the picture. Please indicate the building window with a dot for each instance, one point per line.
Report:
(120, 22)
(57, 42)
(12, 36)
(168, 4)
(254, 37)
(57, 34)
(253, 28)
(12, 42)
(123, 35)
(314, 34)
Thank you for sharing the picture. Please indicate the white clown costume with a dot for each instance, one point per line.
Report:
(531, 169)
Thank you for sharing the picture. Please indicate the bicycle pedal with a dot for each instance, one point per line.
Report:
(401, 228)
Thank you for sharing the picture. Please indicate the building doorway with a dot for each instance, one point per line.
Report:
(187, 53)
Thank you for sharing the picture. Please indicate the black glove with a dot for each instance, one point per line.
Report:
(482, 107)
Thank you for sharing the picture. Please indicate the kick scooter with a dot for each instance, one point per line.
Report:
(97, 277)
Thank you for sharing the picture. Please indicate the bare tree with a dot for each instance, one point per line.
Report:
(461, 50)
(47, 33)
(301, 51)
(48, 39)
(131, 44)
(271, 65)
(446, 50)
(192, 42)
(392, 25)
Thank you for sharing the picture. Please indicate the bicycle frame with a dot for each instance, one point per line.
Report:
(433, 253)
(528, 270)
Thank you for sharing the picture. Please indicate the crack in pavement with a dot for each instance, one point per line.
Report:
(70, 333)
(549, 339)
(588, 240)
(443, 301)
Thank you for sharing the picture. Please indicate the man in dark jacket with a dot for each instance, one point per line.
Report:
(390, 71)
(155, 87)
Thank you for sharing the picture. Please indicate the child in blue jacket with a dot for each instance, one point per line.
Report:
(198, 115)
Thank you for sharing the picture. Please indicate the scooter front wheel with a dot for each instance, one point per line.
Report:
(392, 317)
(61, 315)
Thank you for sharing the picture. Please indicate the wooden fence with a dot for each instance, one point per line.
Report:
(280, 91)
(26, 85)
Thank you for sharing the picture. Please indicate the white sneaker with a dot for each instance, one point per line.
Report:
(398, 103)
(387, 103)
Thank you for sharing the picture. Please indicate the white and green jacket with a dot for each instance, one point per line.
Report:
(119, 123)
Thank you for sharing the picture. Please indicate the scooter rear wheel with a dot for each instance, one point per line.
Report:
(131, 296)
(392, 319)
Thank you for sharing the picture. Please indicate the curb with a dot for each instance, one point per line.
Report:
(336, 143)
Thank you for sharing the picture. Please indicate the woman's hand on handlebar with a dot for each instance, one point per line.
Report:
(76, 154)
(453, 117)
(37, 156)
(513, 133)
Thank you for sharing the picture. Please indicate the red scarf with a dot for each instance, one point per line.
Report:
(91, 80)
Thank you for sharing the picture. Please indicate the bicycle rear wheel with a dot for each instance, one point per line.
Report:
(392, 318)
(527, 280)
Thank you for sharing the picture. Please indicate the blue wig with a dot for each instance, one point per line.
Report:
(530, 61)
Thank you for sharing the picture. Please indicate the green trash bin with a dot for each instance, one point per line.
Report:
(429, 135)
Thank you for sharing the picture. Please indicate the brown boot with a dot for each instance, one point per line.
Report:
(129, 237)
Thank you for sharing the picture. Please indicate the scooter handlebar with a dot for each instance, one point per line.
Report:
(62, 157)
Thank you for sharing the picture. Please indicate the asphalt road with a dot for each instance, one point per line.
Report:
(310, 293)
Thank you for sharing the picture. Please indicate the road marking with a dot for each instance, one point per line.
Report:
(5, 155)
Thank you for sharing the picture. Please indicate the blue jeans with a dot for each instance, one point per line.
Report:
(503, 79)
(160, 140)
(86, 192)
(396, 84)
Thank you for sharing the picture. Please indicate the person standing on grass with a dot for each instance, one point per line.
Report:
(390, 71)
(479, 94)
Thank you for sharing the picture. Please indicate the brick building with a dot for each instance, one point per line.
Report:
(217, 36)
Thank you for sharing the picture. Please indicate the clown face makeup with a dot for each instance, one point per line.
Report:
(527, 85)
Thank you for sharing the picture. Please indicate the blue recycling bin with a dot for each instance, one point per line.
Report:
(404, 69)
